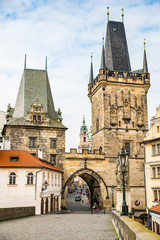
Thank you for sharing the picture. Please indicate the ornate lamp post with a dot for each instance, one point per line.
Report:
(123, 158)
(112, 189)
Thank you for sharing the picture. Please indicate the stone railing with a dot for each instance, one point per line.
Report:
(128, 229)
(17, 212)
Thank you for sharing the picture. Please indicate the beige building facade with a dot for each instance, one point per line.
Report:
(152, 161)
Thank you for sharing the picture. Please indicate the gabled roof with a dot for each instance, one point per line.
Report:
(25, 159)
(155, 208)
(116, 49)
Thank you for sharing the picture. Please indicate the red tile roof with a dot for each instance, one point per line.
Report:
(25, 159)
(155, 208)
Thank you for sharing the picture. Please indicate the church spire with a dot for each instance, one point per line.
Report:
(103, 55)
(145, 66)
(91, 71)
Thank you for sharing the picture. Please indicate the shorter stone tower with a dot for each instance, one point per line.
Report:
(34, 125)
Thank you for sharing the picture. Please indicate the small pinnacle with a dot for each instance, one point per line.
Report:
(122, 15)
(144, 44)
(91, 56)
(103, 39)
(108, 13)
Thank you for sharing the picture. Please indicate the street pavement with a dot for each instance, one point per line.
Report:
(62, 226)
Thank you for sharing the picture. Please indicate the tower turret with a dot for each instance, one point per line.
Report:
(103, 55)
(83, 136)
(145, 66)
(91, 71)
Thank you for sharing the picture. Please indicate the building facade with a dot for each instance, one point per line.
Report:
(29, 182)
(151, 144)
(34, 125)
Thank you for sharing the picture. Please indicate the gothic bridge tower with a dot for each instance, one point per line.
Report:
(118, 98)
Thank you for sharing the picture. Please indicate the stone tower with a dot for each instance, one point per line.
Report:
(83, 137)
(118, 98)
(33, 124)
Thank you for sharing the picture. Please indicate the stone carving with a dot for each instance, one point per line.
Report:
(126, 112)
(140, 121)
(113, 116)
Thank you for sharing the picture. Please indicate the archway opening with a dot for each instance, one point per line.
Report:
(94, 189)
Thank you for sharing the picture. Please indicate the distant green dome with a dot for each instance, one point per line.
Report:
(84, 127)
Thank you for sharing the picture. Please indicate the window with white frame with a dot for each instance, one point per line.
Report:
(156, 195)
(58, 180)
(30, 178)
(12, 178)
(155, 172)
(156, 149)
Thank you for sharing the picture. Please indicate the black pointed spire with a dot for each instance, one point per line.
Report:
(91, 71)
(145, 66)
(103, 55)
(116, 49)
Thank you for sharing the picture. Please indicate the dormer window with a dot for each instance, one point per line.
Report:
(13, 158)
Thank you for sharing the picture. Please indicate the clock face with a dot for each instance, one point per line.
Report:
(137, 203)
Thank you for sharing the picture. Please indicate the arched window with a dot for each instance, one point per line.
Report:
(30, 178)
(12, 178)
(84, 139)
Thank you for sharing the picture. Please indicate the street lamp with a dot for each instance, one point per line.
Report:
(123, 158)
(112, 190)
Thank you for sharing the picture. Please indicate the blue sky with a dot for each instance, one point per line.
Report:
(67, 32)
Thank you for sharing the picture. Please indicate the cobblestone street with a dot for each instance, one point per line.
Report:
(59, 227)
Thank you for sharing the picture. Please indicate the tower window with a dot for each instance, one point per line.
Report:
(119, 123)
(34, 117)
(84, 139)
(32, 142)
(53, 158)
(39, 118)
(133, 124)
(127, 147)
(157, 129)
(97, 124)
(53, 143)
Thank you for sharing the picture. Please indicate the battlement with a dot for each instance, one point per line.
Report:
(95, 155)
(106, 76)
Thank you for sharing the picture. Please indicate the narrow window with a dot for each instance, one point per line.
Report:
(1, 139)
(153, 172)
(158, 149)
(153, 150)
(53, 143)
(155, 195)
(12, 178)
(84, 139)
(34, 117)
(52, 179)
(158, 172)
(157, 129)
(43, 177)
(119, 123)
(30, 178)
(56, 180)
(133, 124)
(48, 178)
(53, 158)
(32, 142)
(97, 124)
(127, 147)
(39, 118)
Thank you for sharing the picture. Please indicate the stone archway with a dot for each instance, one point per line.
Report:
(97, 186)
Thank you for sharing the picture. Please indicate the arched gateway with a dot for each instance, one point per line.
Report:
(83, 165)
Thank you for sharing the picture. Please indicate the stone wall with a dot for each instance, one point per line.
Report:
(10, 213)
(128, 229)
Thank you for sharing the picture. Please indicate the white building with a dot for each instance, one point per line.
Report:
(27, 181)
(152, 171)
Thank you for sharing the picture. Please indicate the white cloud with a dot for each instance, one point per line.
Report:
(67, 32)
